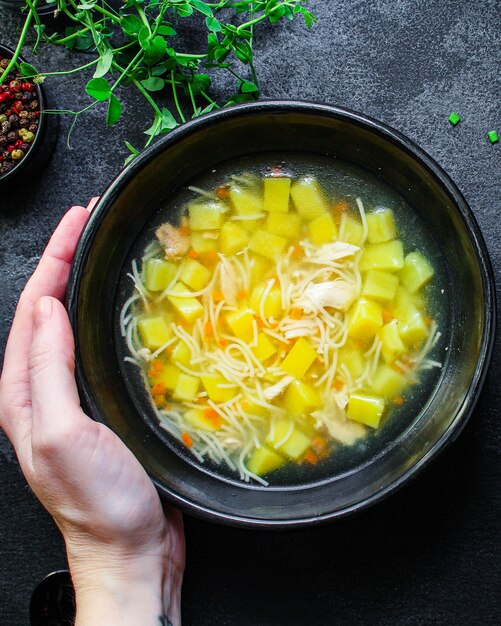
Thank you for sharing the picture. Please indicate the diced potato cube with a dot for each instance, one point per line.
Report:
(215, 392)
(416, 272)
(272, 304)
(196, 418)
(158, 273)
(365, 319)
(264, 348)
(259, 267)
(186, 387)
(264, 460)
(254, 409)
(352, 231)
(365, 408)
(194, 274)
(404, 298)
(392, 343)
(299, 359)
(288, 226)
(301, 398)
(181, 354)
(388, 256)
(269, 245)
(381, 226)
(296, 443)
(233, 238)
(207, 216)
(154, 331)
(380, 285)
(308, 198)
(322, 229)
(168, 376)
(203, 242)
(353, 359)
(412, 327)
(387, 382)
(240, 323)
(245, 201)
(276, 194)
(189, 308)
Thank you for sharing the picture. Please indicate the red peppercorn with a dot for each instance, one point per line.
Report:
(27, 87)
(36, 113)
(1, 158)
(3, 97)
(18, 144)
(9, 94)
(10, 148)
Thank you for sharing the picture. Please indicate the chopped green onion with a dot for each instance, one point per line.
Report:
(493, 136)
(454, 118)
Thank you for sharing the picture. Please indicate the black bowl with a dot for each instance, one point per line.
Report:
(128, 205)
(43, 145)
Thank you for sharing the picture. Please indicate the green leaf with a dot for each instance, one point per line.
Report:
(131, 148)
(154, 49)
(27, 69)
(166, 30)
(131, 24)
(242, 50)
(144, 37)
(153, 83)
(248, 87)
(200, 82)
(158, 70)
(104, 64)
(98, 89)
(114, 111)
(168, 121)
(277, 15)
(201, 7)
(184, 10)
(213, 25)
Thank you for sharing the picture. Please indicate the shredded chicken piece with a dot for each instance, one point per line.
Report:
(337, 294)
(275, 390)
(336, 250)
(334, 419)
(174, 243)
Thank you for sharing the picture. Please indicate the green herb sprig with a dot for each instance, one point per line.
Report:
(138, 45)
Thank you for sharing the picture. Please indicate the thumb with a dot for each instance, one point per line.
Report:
(55, 401)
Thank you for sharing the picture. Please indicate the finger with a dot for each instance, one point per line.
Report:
(50, 278)
(55, 401)
(92, 204)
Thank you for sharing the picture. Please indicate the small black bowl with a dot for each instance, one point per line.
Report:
(43, 145)
(127, 208)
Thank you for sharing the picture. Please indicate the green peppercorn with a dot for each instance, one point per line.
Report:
(3, 118)
(28, 137)
(17, 155)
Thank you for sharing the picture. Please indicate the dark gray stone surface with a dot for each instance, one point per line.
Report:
(430, 554)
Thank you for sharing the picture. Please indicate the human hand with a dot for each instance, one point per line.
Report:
(126, 556)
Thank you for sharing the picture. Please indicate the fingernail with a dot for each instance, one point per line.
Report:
(92, 203)
(43, 311)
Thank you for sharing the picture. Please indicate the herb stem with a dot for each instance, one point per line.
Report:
(176, 101)
(20, 42)
(143, 17)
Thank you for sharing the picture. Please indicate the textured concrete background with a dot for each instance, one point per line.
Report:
(429, 555)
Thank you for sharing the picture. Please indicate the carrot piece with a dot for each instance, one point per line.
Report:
(318, 444)
(217, 295)
(340, 206)
(184, 230)
(223, 343)
(158, 389)
(222, 192)
(337, 384)
(210, 412)
(159, 401)
(296, 314)
(259, 322)
(310, 457)
(387, 316)
(187, 440)
(398, 400)
(297, 253)
(242, 294)
(169, 407)
(193, 254)
(208, 332)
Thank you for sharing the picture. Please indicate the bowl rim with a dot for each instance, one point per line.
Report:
(460, 205)
(42, 125)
